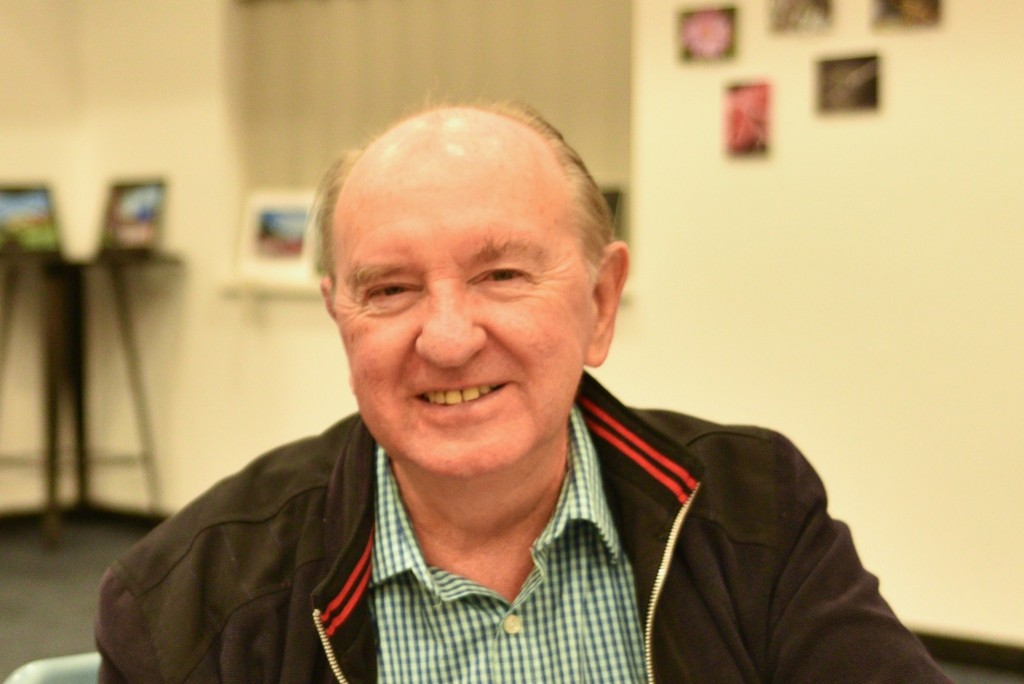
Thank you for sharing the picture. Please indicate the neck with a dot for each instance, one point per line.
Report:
(482, 528)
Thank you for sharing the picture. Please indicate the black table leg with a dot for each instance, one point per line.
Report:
(64, 323)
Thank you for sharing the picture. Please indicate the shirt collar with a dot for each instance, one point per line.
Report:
(582, 499)
(395, 549)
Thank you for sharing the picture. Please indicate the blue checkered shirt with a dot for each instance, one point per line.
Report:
(575, 619)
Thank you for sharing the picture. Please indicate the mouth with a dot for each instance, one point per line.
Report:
(457, 396)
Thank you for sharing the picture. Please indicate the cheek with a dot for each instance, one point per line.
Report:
(357, 340)
(350, 337)
(550, 339)
(375, 347)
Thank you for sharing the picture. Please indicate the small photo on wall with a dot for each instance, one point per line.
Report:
(900, 13)
(747, 119)
(275, 245)
(281, 232)
(28, 219)
(807, 16)
(848, 84)
(134, 215)
(707, 35)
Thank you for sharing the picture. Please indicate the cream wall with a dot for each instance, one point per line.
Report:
(861, 289)
(220, 96)
(858, 290)
(322, 76)
(40, 97)
(104, 89)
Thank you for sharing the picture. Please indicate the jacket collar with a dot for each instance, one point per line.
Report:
(647, 479)
(624, 432)
(341, 598)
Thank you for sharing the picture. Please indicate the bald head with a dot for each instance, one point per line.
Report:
(408, 156)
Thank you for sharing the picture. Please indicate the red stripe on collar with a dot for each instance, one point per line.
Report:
(666, 471)
(351, 593)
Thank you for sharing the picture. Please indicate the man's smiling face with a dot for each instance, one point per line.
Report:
(462, 297)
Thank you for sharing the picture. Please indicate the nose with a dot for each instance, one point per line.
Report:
(450, 335)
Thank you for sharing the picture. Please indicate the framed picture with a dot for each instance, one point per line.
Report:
(747, 114)
(28, 219)
(899, 13)
(800, 15)
(848, 84)
(276, 243)
(707, 35)
(133, 218)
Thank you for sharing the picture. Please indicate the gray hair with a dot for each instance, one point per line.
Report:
(592, 217)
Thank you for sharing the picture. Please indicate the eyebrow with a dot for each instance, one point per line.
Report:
(361, 276)
(495, 250)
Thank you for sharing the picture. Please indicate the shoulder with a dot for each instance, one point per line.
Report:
(257, 513)
(227, 569)
(751, 477)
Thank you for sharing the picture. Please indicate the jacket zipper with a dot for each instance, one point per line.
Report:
(659, 583)
(331, 660)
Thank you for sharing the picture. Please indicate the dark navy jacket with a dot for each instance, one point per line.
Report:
(741, 575)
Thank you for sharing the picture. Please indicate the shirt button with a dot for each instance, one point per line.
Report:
(512, 624)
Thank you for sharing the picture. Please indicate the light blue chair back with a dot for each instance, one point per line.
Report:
(82, 668)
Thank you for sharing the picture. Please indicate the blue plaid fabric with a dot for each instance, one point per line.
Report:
(575, 619)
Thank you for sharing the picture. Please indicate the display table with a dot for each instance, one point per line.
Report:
(65, 306)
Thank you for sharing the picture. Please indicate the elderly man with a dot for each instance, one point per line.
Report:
(492, 513)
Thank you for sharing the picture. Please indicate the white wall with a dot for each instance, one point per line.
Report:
(861, 289)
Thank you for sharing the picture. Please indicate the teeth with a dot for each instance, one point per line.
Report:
(448, 397)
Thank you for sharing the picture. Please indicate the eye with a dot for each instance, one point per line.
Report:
(503, 274)
(386, 291)
(387, 298)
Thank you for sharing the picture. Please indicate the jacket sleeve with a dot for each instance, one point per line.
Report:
(122, 636)
(828, 620)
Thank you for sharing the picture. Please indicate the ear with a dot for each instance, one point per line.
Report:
(607, 293)
(327, 292)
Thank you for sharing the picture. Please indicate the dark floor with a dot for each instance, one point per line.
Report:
(48, 590)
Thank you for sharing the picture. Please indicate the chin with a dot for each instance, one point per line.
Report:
(464, 462)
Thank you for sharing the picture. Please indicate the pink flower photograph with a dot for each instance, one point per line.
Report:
(707, 34)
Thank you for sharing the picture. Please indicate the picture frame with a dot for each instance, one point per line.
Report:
(276, 245)
(134, 214)
(747, 119)
(28, 219)
(906, 13)
(849, 84)
(800, 16)
(707, 34)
